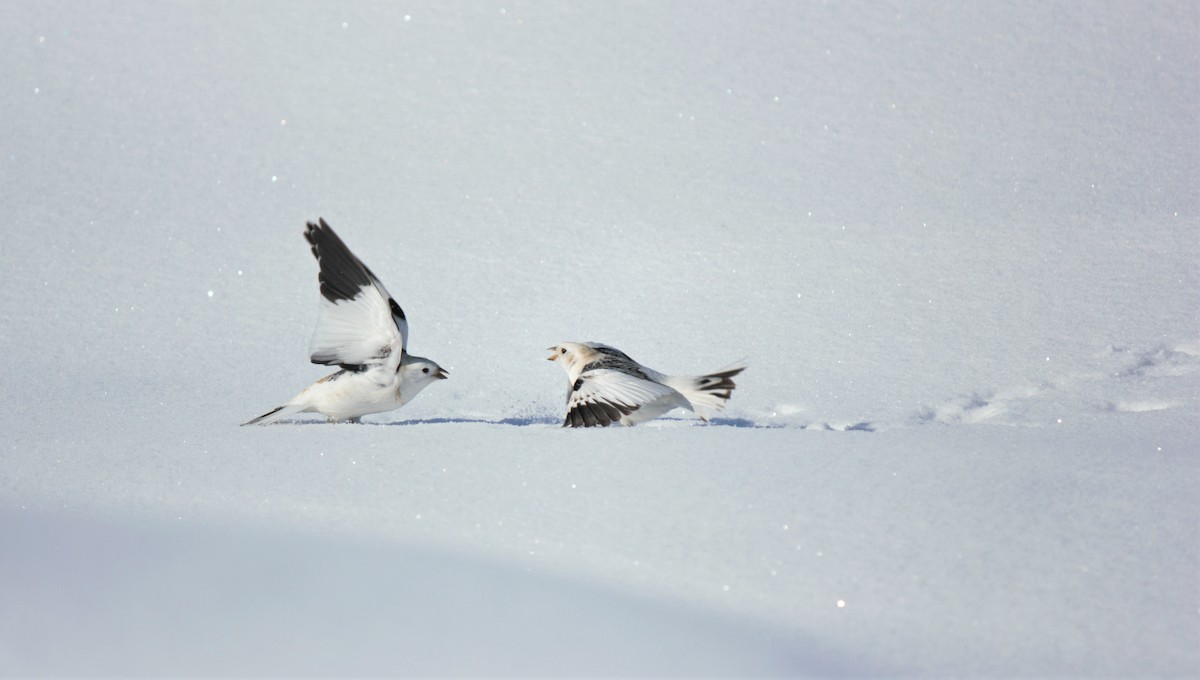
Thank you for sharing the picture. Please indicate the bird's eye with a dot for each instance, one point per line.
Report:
(424, 370)
(564, 350)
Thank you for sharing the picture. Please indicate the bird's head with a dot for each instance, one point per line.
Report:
(569, 355)
(418, 371)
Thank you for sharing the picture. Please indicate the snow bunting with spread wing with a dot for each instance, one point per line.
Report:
(362, 330)
(608, 387)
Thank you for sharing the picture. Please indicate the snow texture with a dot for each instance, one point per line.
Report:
(957, 244)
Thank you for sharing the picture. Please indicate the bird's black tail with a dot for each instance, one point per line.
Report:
(707, 393)
(275, 414)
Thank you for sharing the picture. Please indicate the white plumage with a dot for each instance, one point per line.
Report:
(607, 387)
(362, 330)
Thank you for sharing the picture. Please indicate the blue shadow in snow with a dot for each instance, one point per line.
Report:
(554, 421)
(523, 421)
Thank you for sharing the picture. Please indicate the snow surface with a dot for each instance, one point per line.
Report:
(959, 246)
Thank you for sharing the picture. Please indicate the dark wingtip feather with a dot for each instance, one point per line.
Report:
(342, 274)
(597, 413)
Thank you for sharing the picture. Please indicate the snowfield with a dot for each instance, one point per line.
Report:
(959, 248)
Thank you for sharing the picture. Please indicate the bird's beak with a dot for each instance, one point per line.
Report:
(553, 356)
(441, 374)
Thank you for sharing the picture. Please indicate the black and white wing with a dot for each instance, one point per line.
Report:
(359, 324)
(602, 396)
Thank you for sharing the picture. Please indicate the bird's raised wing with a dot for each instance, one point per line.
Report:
(359, 324)
(602, 396)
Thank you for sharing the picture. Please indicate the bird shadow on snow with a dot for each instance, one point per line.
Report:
(413, 422)
(554, 421)
(516, 421)
(549, 421)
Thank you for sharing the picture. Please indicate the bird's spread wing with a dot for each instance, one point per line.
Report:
(601, 396)
(359, 323)
(611, 357)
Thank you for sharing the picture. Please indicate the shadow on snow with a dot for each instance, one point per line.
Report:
(554, 421)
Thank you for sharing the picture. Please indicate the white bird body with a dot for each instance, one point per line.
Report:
(607, 387)
(362, 330)
(348, 395)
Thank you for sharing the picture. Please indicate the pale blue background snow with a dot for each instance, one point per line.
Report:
(958, 245)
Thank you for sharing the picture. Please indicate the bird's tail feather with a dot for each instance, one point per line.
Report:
(277, 413)
(707, 393)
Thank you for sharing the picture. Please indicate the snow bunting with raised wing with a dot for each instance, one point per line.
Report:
(608, 387)
(362, 330)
